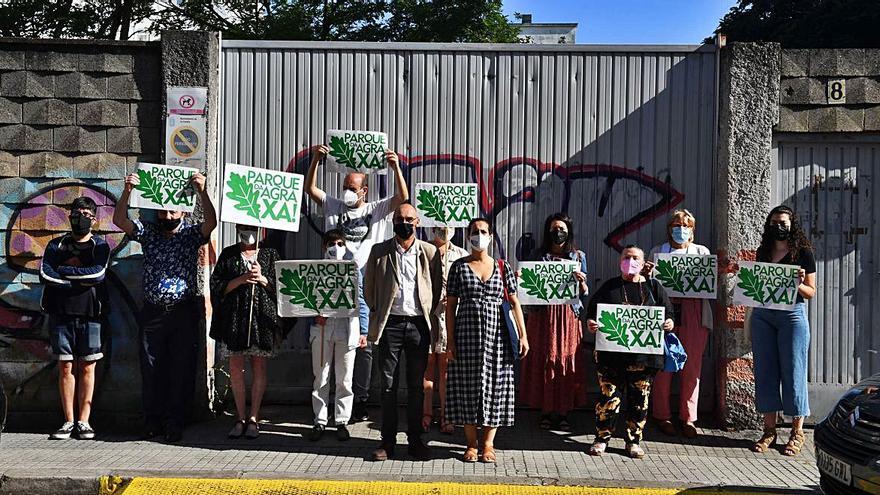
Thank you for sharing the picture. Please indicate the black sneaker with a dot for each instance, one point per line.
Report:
(342, 433)
(64, 432)
(84, 431)
(359, 413)
(316, 433)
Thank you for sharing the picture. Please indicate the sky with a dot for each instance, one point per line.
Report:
(629, 21)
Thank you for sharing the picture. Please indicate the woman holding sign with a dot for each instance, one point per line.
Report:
(631, 367)
(781, 338)
(243, 274)
(553, 377)
(694, 318)
(481, 390)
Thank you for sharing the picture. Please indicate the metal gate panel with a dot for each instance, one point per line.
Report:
(829, 181)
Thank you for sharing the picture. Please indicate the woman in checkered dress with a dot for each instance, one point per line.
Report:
(480, 389)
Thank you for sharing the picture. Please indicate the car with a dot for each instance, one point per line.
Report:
(848, 442)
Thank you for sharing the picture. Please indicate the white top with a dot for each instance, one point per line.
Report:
(362, 227)
(406, 301)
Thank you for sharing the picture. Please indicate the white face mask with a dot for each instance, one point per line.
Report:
(247, 237)
(335, 252)
(480, 242)
(350, 198)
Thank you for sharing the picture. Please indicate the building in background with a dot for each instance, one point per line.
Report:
(545, 33)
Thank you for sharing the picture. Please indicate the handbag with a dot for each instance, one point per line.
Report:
(507, 314)
(674, 354)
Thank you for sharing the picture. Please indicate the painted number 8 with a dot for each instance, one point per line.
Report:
(836, 91)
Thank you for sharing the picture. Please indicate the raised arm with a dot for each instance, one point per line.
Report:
(120, 212)
(312, 188)
(210, 223)
(401, 193)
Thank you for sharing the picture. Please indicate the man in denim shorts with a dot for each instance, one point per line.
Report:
(74, 298)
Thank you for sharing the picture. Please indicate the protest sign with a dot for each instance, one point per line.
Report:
(766, 285)
(447, 205)
(692, 276)
(547, 282)
(317, 288)
(357, 151)
(631, 329)
(164, 187)
(262, 198)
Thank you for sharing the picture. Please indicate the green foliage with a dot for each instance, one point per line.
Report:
(804, 23)
(669, 276)
(244, 194)
(534, 284)
(431, 205)
(300, 291)
(96, 19)
(752, 286)
(613, 328)
(342, 152)
(149, 187)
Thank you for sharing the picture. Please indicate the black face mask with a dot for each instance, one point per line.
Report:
(780, 232)
(80, 224)
(404, 230)
(558, 236)
(168, 224)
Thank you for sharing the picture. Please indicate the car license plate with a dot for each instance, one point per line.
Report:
(834, 467)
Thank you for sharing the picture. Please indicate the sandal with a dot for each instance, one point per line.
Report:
(545, 423)
(768, 439)
(795, 443)
(427, 419)
(488, 454)
(237, 429)
(634, 451)
(253, 430)
(445, 426)
(470, 455)
(598, 448)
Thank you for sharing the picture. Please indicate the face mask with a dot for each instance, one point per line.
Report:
(629, 266)
(404, 230)
(480, 242)
(681, 234)
(335, 252)
(558, 236)
(350, 198)
(80, 224)
(780, 232)
(247, 237)
(442, 233)
(168, 224)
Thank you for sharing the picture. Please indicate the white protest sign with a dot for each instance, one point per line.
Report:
(317, 288)
(262, 198)
(186, 125)
(547, 282)
(766, 285)
(357, 151)
(164, 187)
(631, 329)
(692, 276)
(447, 205)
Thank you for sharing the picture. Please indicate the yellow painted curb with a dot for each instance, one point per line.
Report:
(186, 486)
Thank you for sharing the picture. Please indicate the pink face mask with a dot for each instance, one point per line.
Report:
(630, 266)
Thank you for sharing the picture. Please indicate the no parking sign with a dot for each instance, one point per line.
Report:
(185, 126)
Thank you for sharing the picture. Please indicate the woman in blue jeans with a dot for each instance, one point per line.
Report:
(781, 338)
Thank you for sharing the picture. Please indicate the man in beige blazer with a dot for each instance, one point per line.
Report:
(401, 288)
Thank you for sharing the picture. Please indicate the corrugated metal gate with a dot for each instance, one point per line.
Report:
(617, 136)
(829, 181)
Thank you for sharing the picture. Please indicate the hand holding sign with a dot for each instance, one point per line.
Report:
(767, 285)
(163, 187)
(262, 198)
(548, 282)
(630, 328)
(357, 151)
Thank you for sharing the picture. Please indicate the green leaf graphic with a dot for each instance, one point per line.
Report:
(300, 291)
(534, 284)
(614, 329)
(149, 187)
(432, 205)
(342, 152)
(243, 192)
(752, 286)
(669, 276)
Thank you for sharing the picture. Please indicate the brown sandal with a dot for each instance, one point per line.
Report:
(445, 426)
(488, 454)
(470, 455)
(795, 443)
(768, 439)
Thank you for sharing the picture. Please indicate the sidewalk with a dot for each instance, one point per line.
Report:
(526, 455)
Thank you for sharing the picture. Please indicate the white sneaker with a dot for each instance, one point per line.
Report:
(64, 432)
(84, 431)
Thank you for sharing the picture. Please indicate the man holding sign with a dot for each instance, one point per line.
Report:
(633, 329)
(168, 320)
(364, 224)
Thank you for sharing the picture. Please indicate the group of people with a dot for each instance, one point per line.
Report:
(451, 312)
